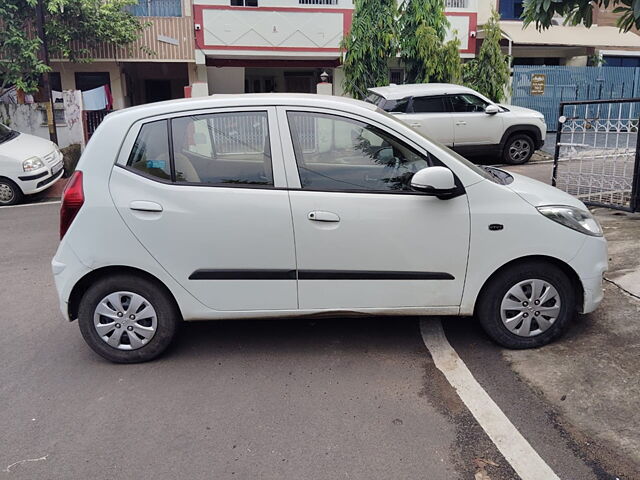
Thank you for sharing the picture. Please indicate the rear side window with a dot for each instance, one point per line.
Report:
(429, 105)
(398, 106)
(150, 153)
(223, 149)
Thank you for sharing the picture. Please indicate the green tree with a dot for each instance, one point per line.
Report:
(577, 12)
(90, 22)
(489, 72)
(422, 30)
(369, 46)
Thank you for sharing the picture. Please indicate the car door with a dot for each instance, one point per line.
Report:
(204, 193)
(363, 238)
(431, 116)
(472, 126)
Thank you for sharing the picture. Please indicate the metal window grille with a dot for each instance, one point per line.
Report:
(597, 157)
(156, 8)
(456, 4)
(318, 2)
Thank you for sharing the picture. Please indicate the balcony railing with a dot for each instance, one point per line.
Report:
(156, 8)
(318, 2)
(456, 4)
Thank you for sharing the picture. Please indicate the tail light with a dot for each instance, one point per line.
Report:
(72, 200)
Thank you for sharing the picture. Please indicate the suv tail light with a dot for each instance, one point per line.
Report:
(72, 200)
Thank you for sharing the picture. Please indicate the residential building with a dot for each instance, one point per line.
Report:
(561, 44)
(285, 45)
(156, 67)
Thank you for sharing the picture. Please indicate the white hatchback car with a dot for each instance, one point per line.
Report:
(465, 120)
(28, 164)
(277, 205)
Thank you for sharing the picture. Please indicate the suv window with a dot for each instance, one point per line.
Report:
(340, 154)
(467, 103)
(223, 149)
(433, 104)
(150, 153)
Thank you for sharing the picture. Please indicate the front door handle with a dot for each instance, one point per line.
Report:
(145, 206)
(321, 216)
(415, 125)
(461, 123)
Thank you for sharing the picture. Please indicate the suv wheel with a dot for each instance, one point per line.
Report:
(10, 193)
(127, 319)
(518, 149)
(527, 305)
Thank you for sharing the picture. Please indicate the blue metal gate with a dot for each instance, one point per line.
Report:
(563, 84)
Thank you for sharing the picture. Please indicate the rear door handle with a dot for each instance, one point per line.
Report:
(321, 216)
(415, 125)
(145, 206)
(461, 123)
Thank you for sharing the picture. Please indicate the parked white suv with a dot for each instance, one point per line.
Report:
(28, 164)
(465, 120)
(278, 205)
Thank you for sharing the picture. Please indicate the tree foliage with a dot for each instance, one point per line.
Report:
(489, 72)
(369, 46)
(423, 50)
(577, 12)
(89, 21)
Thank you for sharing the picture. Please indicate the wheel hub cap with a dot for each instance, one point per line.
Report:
(6, 194)
(530, 307)
(125, 320)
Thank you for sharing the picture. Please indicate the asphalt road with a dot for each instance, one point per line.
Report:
(330, 398)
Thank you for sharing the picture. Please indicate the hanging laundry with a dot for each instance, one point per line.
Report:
(95, 99)
(56, 96)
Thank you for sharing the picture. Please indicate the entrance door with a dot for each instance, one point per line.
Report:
(363, 238)
(218, 221)
(299, 83)
(157, 90)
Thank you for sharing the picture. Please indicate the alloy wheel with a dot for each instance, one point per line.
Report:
(519, 150)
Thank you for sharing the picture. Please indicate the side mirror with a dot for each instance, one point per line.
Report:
(492, 109)
(434, 181)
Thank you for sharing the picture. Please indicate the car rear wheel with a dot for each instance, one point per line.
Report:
(518, 149)
(127, 319)
(10, 193)
(527, 305)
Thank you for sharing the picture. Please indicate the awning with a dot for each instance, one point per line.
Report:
(569, 36)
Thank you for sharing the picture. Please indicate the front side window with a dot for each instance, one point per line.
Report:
(150, 153)
(340, 154)
(429, 105)
(467, 103)
(223, 149)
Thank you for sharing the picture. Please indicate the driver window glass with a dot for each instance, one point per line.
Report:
(468, 103)
(340, 154)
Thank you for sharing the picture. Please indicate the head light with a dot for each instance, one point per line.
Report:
(32, 163)
(574, 218)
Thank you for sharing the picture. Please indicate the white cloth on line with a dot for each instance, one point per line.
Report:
(95, 99)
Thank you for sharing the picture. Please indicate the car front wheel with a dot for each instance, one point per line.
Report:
(527, 305)
(127, 319)
(518, 149)
(10, 193)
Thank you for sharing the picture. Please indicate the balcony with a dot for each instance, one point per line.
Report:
(156, 8)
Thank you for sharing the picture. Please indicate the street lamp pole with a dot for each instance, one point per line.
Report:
(46, 85)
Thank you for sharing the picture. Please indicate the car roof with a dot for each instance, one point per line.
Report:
(396, 92)
(243, 100)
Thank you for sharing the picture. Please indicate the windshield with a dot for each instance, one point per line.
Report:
(6, 133)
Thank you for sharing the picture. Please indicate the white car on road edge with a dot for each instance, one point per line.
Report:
(465, 120)
(280, 205)
(28, 164)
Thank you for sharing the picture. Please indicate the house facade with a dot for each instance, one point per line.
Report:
(252, 46)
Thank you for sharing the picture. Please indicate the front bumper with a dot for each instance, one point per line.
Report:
(35, 182)
(590, 264)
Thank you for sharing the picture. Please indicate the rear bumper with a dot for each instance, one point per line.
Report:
(67, 271)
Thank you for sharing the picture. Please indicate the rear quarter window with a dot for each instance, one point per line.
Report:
(150, 152)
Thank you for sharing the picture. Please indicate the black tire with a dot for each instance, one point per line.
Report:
(167, 317)
(488, 309)
(10, 193)
(518, 149)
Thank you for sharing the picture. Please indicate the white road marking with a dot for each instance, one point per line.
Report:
(31, 204)
(513, 446)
